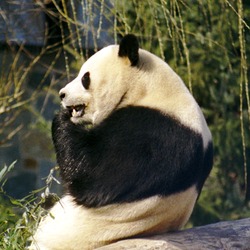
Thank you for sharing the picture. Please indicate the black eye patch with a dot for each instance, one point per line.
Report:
(86, 80)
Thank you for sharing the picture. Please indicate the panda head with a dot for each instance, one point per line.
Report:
(103, 83)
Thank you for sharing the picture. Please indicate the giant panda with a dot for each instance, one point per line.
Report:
(133, 148)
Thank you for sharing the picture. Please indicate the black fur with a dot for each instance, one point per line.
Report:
(134, 154)
(86, 80)
(129, 47)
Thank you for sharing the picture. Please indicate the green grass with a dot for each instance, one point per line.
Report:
(20, 217)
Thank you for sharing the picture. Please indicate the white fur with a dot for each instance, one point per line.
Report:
(74, 227)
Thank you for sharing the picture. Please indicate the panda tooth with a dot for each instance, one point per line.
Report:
(74, 113)
(79, 113)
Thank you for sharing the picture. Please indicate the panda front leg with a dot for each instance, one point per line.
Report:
(82, 155)
(70, 142)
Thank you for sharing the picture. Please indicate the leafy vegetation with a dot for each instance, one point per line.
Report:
(20, 217)
(206, 44)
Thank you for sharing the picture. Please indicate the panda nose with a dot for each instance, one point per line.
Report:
(62, 94)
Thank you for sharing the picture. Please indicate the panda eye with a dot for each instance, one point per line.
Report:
(86, 80)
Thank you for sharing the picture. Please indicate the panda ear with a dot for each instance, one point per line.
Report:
(129, 47)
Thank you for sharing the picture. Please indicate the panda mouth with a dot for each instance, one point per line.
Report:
(76, 111)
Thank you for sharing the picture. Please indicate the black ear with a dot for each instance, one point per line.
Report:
(129, 47)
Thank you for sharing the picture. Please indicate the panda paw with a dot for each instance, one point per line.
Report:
(62, 124)
(61, 120)
(63, 115)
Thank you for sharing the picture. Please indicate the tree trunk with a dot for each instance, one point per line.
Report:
(230, 235)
